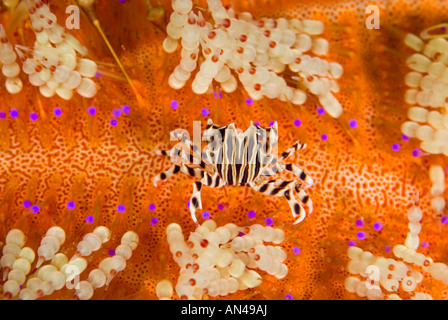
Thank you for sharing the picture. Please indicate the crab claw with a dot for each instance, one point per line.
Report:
(193, 215)
(299, 220)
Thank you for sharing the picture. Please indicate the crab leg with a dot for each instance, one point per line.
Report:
(195, 200)
(296, 147)
(286, 188)
(305, 199)
(296, 207)
(212, 181)
(274, 187)
(189, 156)
(197, 173)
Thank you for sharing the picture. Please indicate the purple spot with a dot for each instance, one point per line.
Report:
(35, 209)
(123, 1)
(416, 152)
(111, 252)
(288, 297)
(425, 244)
(351, 243)
(33, 116)
(89, 219)
(353, 123)
(240, 234)
(257, 123)
(57, 112)
(324, 137)
(154, 221)
(116, 112)
(121, 208)
(249, 101)
(188, 204)
(113, 122)
(152, 207)
(205, 112)
(296, 250)
(361, 235)
(251, 214)
(14, 113)
(217, 94)
(320, 111)
(220, 206)
(174, 104)
(297, 122)
(26, 204)
(91, 110)
(269, 222)
(388, 248)
(126, 109)
(396, 147)
(206, 215)
(98, 75)
(359, 223)
(405, 137)
(2, 114)
(377, 226)
(444, 219)
(70, 205)
(271, 123)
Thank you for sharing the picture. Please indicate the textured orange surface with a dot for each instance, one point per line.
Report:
(357, 175)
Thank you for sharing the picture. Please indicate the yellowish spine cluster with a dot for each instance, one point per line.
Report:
(53, 64)
(10, 68)
(16, 263)
(108, 267)
(257, 52)
(92, 242)
(50, 244)
(218, 261)
(427, 94)
(437, 177)
(391, 274)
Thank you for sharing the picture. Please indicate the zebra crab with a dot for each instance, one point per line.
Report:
(238, 158)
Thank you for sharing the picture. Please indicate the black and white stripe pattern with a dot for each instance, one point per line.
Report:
(239, 159)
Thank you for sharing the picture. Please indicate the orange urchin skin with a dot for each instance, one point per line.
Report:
(82, 158)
